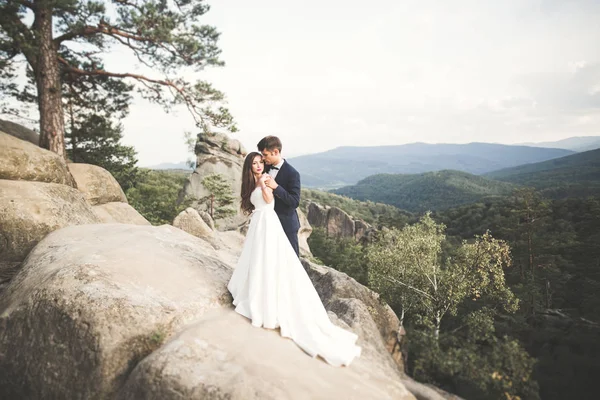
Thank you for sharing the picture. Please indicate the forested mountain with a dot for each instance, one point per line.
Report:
(347, 165)
(576, 175)
(426, 191)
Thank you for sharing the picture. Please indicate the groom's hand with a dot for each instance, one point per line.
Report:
(270, 182)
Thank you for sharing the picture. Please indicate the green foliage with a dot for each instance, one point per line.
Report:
(71, 36)
(377, 214)
(426, 191)
(474, 368)
(563, 274)
(155, 196)
(576, 175)
(343, 254)
(96, 140)
(407, 266)
(220, 199)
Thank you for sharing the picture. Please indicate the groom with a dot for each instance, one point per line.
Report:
(285, 182)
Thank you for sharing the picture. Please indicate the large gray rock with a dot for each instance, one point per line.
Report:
(224, 357)
(21, 160)
(117, 212)
(31, 210)
(216, 154)
(336, 222)
(19, 131)
(97, 184)
(190, 221)
(342, 294)
(304, 234)
(92, 301)
(126, 311)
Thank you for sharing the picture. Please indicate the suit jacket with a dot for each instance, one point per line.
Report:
(287, 197)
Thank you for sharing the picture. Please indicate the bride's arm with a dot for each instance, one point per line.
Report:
(267, 192)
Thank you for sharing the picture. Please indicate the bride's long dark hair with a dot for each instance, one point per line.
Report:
(248, 182)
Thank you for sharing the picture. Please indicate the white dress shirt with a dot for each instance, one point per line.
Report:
(273, 172)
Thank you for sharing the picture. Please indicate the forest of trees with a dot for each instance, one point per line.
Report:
(551, 268)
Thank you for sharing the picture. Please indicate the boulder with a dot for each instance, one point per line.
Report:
(342, 294)
(31, 210)
(129, 311)
(97, 184)
(190, 221)
(22, 160)
(20, 132)
(224, 357)
(207, 218)
(117, 212)
(92, 301)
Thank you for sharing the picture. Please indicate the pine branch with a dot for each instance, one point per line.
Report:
(191, 104)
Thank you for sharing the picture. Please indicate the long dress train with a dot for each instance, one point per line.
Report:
(271, 288)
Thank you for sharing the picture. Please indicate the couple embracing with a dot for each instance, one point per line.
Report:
(269, 284)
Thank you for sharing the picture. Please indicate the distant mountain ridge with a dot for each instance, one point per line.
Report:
(576, 143)
(426, 191)
(347, 165)
(575, 175)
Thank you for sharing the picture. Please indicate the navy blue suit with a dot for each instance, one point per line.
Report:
(287, 199)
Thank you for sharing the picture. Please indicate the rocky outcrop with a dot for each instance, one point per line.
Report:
(336, 222)
(31, 210)
(116, 212)
(216, 154)
(104, 193)
(125, 311)
(339, 292)
(190, 221)
(38, 196)
(304, 234)
(207, 218)
(21, 160)
(19, 131)
(97, 184)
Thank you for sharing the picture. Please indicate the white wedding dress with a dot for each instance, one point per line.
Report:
(271, 288)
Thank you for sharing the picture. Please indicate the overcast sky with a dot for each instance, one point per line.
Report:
(327, 73)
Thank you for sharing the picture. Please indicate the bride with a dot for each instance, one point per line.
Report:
(271, 287)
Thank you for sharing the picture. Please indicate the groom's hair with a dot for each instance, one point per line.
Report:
(270, 143)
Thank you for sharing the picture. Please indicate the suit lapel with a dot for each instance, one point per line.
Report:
(281, 172)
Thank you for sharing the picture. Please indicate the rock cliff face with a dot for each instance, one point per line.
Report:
(126, 311)
(217, 154)
(337, 223)
(40, 193)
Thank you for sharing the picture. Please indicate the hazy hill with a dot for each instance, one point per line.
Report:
(576, 143)
(347, 165)
(169, 165)
(426, 191)
(571, 176)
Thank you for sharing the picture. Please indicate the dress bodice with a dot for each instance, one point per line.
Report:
(256, 198)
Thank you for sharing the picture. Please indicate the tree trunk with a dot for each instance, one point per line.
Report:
(47, 77)
(438, 323)
(73, 137)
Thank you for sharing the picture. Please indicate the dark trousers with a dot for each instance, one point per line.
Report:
(293, 238)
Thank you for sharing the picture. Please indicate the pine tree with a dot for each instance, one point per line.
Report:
(221, 196)
(68, 36)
